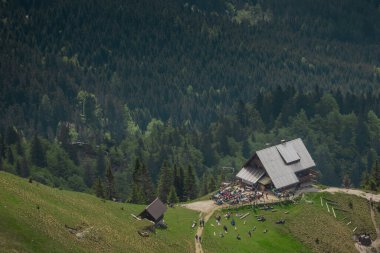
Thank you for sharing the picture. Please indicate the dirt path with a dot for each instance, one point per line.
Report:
(367, 195)
(207, 208)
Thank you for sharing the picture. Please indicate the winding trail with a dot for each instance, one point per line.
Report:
(206, 209)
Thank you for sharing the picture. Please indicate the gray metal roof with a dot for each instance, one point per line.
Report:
(288, 153)
(282, 175)
(250, 175)
(282, 161)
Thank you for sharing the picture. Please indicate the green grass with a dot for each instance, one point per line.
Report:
(309, 227)
(25, 228)
(277, 239)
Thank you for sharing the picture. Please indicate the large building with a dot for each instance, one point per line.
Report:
(281, 166)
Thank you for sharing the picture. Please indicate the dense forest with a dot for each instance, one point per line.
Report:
(133, 99)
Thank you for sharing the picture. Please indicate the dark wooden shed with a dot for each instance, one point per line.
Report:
(154, 211)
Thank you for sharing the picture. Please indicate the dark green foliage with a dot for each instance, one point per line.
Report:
(172, 196)
(165, 182)
(187, 104)
(191, 190)
(179, 181)
(12, 136)
(98, 187)
(37, 152)
(142, 188)
(110, 188)
(89, 175)
(10, 157)
(22, 168)
(212, 184)
(100, 164)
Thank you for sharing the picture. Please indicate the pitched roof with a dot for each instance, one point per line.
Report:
(282, 161)
(156, 208)
(250, 175)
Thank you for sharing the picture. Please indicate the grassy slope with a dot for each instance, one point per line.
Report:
(305, 223)
(24, 228)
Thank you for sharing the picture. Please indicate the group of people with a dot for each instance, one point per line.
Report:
(235, 195)
(198, 238)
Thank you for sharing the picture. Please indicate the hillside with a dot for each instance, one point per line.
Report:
(37, 218)
(33, 219)
(87, 89)
(308, 227)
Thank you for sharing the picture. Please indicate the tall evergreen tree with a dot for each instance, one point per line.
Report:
(179, 181)
(98, 187)
(146, 183)
(37, 152)
(204, 184)
(100, 164)
(172, 196)
(190, 184)
(211, 184)
(110, 190)
(10, 156)
(89, 175)
(165, 182)
(2, 147)
(142, 187)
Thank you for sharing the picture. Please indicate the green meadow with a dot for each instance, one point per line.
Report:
(34, 218)
(309, 227)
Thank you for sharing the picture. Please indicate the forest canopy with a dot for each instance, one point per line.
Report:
(109, 96)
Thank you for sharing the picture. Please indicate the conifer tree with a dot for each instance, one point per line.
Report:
(2, 147)
(211, 184)
(146, 183)
(190, 184)
(98, 187)
(37, 152)
(10, 156)
(142, 187)
(110, 191)
(172, 196)
(100, 164)
(165, 182)
(179, 181)
(137, 195)
(204, 188)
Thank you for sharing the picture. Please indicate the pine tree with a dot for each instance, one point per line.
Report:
(165, 182)
(10, 156)
(88, 175)
(110, 190)
(98, 187)
(204, 189)
(2, 147)
(172, 196)
(179, 181)
(100, 164)
(137, 195)
(146, 184)
(19, 148)
(211, 184)
(142, 187)
(37, 153)
(25, 172)
(190, 184)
